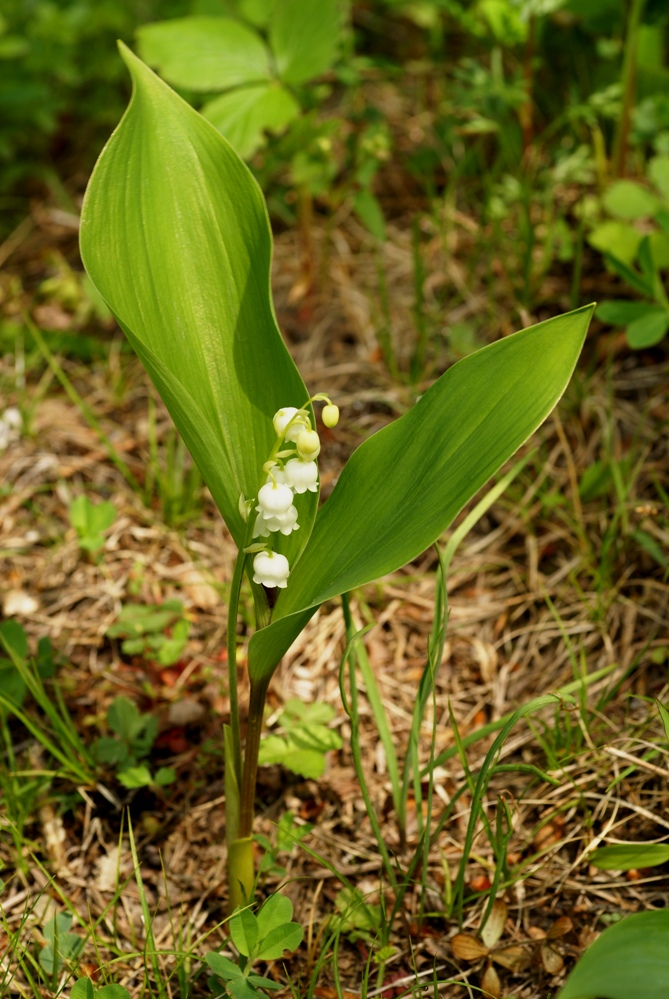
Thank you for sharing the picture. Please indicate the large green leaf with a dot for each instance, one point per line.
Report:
(175, 236)
(204, 53)
(402, 488)
(628, 961)
(304, 36)
(243, 115)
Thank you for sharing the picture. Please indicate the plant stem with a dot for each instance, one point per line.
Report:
(233, 608)
(257, 697)
(629, 86)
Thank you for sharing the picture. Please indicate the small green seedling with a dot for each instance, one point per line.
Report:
(62, 947)
(304, 739)
(646, 321)
(84, 988)
(142, 628)
(134, 735)
(90, 521)
(356, 918)
(261, 80)
(264, 937)
(288, 836)
(13, 639)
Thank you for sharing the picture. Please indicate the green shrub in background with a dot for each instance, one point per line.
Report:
(60, 83)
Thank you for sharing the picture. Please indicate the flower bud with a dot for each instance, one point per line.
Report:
(330, 415)
(308, 445)
(271, 569)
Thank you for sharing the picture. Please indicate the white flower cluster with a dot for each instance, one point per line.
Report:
(276, 511)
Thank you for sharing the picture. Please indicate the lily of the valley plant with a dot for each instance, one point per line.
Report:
(175, 235)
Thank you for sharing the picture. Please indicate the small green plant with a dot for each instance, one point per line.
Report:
(262, 76)
(133, 739)
(265, 937)
(90, 521)
(12, 680)
(186, 272)
(646, 322)
(357, 918)
(301, 739)
(288, 836)
(62, 947)
(158, 633)
(84, 988)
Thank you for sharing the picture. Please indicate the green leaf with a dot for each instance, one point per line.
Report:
(402, 488)
(664, 715)
(139, 776)
(658, 174)
(204, 53)
(620, 313)
(164, 776)
(308, 763)
(276, 911)
(648, 329)
(627, 273)
(370, 213)
(244, 115)
(83, 988)
(628, 200)
(175, 236)
(280, 939)
(630, 960)
(222, 966)
(304, 37)
(91, 519)
(244, 931)
(13, 639)
(112, 992)
(239, 988)
(630, 856)
(619, 239)
(272, 750)
(124, 718)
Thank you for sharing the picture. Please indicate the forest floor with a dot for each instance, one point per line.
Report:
(561, 586)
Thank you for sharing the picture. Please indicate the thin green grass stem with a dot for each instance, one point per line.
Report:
(538, 703)
(351, 709)
(150, 952)
(485, 774)
(354, 638)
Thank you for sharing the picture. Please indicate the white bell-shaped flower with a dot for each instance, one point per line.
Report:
(283, 417)
(271, 569)
(308, 445)
(302, 475)
(285, 522)
(274, 499)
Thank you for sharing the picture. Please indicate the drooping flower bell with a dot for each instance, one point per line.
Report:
(283, 417)
(301, 475)
(271, 569)
(275, 509)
